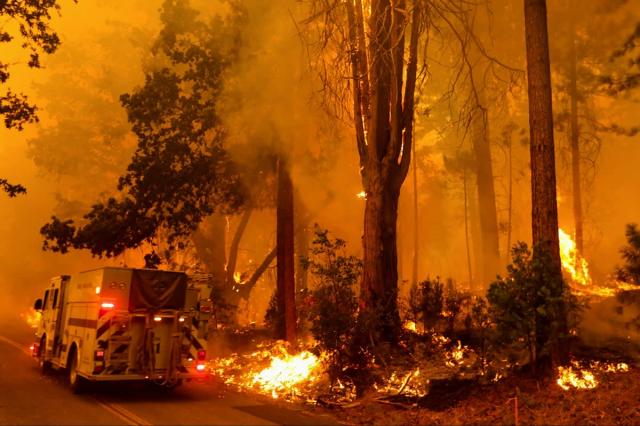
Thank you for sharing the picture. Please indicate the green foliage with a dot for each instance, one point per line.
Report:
(530, 306)
(630, 271)
(36, 36)
(333, 310)
(180, 172)
(30, 22)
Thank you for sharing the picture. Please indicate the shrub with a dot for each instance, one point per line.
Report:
(630, 271)
(431, 302)
(333, 311)
(529, 306)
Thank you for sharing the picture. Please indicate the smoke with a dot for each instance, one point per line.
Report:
(272, 100)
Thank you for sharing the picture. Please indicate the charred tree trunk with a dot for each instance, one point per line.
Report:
(416, 227)
(575, 144)
(543, 176)
(507, 252)
(235, 245)
(383, 106)
(380, 288)
(286, 291)
(489, 253)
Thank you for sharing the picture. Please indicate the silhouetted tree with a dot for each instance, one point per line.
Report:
(30, 21)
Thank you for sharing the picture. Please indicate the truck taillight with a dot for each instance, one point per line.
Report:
(108, 305)
(202, 354)
(98, 358)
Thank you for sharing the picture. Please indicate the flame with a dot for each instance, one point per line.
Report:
(578, 377)
(578, 269)
(575, 378)
(362, 195)
(410, 326)
(456, 355)
(271, 370)
(33, 318)
(572, 262)
(285, 373)
(237, 277)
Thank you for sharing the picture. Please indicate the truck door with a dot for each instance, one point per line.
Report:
(51, 314)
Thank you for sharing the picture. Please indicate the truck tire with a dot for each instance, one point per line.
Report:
(43, 365)
(76, 383)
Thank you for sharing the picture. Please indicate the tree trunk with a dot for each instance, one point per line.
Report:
(509, 203)
(416, 227)
(235, 245)
(466, 225)
(301, 241)
(490, 255)
(209, 240)
(543, 176)
(380, 277)
(575, 144)
(286, 291)
(383, 108)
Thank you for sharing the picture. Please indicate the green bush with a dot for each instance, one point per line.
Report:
(630, 271)
(531, 308)
(333, 308)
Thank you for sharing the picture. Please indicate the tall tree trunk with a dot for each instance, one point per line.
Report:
(489, 254)
(543, 172)
(380, 278)
(509, 203)
(235, 245)
(286, 291)
(466, 225)
(416, 226)
(575, 142)
(383, 107)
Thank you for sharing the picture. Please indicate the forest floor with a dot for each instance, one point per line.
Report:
(615, 400)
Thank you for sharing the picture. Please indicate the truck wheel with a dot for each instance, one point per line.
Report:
(43, 364)
(76, 383)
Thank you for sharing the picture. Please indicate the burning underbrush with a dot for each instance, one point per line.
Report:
(277, 370)
(584, 375)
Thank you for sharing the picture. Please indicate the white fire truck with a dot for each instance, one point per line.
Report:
(121, 324)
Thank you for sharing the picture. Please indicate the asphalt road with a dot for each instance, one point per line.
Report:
(27, 397)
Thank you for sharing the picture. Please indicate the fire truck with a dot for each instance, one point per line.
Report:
(121, 324)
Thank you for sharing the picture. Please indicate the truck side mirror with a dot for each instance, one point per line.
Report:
(38, 305)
